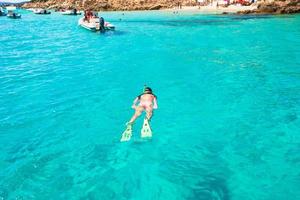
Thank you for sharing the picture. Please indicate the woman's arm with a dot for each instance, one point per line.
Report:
(155, 103)
(135, 102)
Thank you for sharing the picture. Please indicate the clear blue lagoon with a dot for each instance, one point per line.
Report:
(228, 122)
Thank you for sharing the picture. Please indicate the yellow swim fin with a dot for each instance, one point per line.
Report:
(126, 135)
(146, 130)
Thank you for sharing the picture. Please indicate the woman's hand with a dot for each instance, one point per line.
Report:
(133, 106)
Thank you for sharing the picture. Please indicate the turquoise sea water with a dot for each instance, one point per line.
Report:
(228, 122)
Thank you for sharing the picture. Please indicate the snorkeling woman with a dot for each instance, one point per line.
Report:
(147, 102)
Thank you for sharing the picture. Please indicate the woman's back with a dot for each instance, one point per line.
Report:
(146, 97)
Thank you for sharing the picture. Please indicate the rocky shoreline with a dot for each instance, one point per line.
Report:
(262, 6)
(107, 5)
(275, 7)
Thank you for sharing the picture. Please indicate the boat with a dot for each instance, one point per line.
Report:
(11, 12)
(71, 12)
(41, 11)
(13, 15)
(31, 9)
(93, 23)
(2, 12)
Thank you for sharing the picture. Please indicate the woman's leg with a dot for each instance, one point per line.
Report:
(138, 112)
(149, 113)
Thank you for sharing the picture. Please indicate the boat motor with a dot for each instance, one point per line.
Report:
(102, 28)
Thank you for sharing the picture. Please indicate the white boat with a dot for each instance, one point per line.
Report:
(93, 24)
(11, 12)
(2, 12)
(71, 12)
(31, 9)
(41, 11)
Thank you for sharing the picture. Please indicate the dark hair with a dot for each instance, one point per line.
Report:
(147, 89)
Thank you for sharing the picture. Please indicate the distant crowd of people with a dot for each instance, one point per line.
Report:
(215, 2)
(224, 2)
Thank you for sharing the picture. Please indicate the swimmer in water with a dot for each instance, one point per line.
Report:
(147, 102)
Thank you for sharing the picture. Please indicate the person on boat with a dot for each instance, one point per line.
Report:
(147, 102)
(85, 16)
(102, 23)
(88, 15)
(95, 15)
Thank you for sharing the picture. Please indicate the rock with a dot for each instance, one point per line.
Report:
(156, 7)
(263, 6)
(105, 4)
(269, 8)
(245, 12)
(280, 7)
(275, 7)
